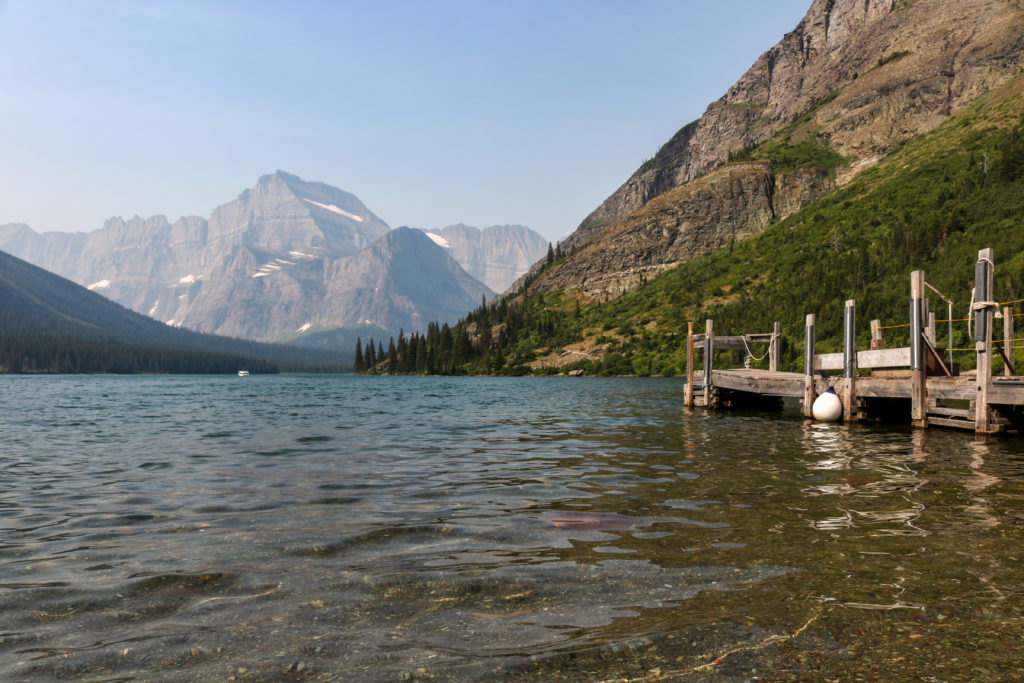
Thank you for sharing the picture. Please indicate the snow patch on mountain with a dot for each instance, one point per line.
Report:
(102, 284)
(439, 241)
(335, 209)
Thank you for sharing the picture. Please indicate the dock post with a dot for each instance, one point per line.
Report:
(983, 277)
(877, 341)
(774, 346)
(918, 382)
(1011, 362)
(709, 349)
(927, 318)
(809, 365)
(688, 392)
(849, 360)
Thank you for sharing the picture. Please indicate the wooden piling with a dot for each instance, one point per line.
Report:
(809, 365)
(927, 317)
(983, 281)
(1010, 367)
(709, 349)
(849, 360)
(688, 391)
(918, 381)
(774, 346)
(877, 342)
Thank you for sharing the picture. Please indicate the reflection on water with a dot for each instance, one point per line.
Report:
(343, 528)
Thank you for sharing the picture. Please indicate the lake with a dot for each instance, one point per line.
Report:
(408, 528)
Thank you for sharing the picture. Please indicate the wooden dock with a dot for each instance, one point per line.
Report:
(913, 383)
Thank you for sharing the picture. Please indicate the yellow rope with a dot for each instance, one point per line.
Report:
(1007, 303)
(974, 349)
(889, 327)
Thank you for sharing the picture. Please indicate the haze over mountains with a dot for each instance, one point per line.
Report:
(288, 260)
(50, 324)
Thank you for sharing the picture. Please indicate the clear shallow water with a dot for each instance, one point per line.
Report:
(348, 528)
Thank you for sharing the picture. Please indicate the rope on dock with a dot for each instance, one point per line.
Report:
(889, 327)
(751, 355)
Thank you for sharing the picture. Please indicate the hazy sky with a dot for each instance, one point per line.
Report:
(432, 112)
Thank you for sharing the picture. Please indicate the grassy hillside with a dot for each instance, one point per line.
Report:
(930, 205)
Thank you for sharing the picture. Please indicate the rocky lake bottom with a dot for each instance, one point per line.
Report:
(519, 529)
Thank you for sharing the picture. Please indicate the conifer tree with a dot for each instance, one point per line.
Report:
(444, 350)
(371, 356)
(402, 352)
(484, 339)
(357, 365)
(421, 355)
(460, 346)
(392, 355)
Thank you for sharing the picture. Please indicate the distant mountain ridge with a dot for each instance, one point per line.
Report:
(50, 324)
(497, 255)
(286, 260)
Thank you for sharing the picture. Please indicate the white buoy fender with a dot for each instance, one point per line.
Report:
(827, 407)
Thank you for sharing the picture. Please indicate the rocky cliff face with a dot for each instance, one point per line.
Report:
(861, 74)
(402, 280)
(285, 258)
(713, 211)
(496, 255)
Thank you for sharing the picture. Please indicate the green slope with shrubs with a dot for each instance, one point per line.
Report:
(929, 205)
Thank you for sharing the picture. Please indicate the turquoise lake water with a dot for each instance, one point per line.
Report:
(406, 528)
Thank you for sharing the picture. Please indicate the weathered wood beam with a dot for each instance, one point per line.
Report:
(688, 391)
(880, 358)
(1007, 350)
(934, 353)
(877, 342)
(775, 347)
(849, 360)
(983, 281)
(709, 352)
(808, 365)
(776, 384)
(918, 382)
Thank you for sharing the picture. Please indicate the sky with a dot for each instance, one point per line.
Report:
(432, 112)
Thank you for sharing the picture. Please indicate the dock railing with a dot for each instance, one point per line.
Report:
(937, 394)
(709, 343)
